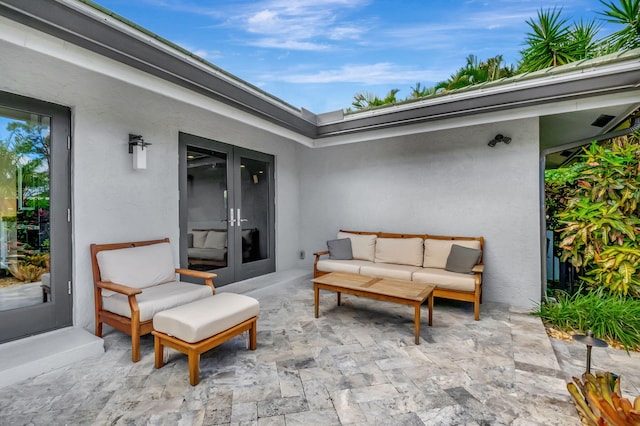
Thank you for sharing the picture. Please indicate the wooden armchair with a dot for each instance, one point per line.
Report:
(133, 281)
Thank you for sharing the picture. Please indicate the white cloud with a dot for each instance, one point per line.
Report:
(367, 74)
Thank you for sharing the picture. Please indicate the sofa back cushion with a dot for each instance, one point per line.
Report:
(363, 247)
(436, 252)
(199, 237)
(401, 251)
(138, 267)
(216, 240)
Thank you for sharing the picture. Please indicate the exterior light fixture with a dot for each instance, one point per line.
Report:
(499, 138)
(136, 147)
(589, 341)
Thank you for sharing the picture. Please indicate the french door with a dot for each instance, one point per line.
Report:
(35, 233)
(226, 209)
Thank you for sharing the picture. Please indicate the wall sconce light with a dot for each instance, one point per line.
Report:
(136, 147)
(499, 138)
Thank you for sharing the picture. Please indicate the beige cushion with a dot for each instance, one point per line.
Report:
(138, 267)
(206, 254)
(157, 299)
(389, 270)
(363, 247)
(401, 251)
(199, 237)
(436, 252)
(445, 279)
(216, 240)
(207, 317)
(331, 265)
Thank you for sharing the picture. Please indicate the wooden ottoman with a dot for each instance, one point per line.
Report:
(198, 326)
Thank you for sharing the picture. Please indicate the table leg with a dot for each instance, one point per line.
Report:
(316, 296)
(339, 294)
(416, 320)
(431, 309)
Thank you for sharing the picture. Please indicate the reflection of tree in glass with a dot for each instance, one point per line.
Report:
(27, 149)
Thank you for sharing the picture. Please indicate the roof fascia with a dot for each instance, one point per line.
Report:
(126, 44)
(609, 80)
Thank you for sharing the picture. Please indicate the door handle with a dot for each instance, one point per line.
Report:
(231, 220)
(241, 220)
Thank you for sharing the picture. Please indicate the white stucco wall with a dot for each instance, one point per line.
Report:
(444, 183)
(111, 201)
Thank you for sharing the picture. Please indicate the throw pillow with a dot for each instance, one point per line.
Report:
(340, 249)
(462, 259)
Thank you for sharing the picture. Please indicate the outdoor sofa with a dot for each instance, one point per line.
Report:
(453, 264)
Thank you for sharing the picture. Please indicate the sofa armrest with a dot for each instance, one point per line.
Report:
(206, 276)
(315, 262)
(119, 288)
(478, 268)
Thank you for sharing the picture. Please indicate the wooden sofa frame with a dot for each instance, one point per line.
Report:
(466, 296)
(131, 326)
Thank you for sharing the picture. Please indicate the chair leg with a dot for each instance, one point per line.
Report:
(476, 306)
(98, 327)
(135, 344)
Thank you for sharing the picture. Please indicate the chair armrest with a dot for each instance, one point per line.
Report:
(321, 253)
(478, 268)
(119, 288)
(196, 274)
(206, 276)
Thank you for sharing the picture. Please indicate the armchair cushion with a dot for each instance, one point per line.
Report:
(157, 299)
(462, 259)
(138, 267)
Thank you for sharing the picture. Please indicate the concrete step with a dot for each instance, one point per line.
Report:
(34, 355)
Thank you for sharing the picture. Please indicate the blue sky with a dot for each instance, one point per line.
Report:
(317, 54)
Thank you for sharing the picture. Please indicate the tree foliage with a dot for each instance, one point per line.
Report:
(551, 41)
(599, 216)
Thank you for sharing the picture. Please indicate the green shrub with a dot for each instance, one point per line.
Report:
(609, 316)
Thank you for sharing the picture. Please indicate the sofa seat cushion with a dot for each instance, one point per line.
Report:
(401, 251)
(436, 252)
(389, 270)
(157, 299)
(207, 317)
(445, 279)
(352, 266)
(207, 254)
(138, 267)
(363, 247)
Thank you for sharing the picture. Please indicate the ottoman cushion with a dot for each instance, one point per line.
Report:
(207, 317)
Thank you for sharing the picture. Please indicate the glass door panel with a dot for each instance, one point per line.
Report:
(226, 213)
(207, 209)
(254, 194)
(35, 271)
(24, 209)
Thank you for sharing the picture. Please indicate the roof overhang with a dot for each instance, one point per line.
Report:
(552, 91)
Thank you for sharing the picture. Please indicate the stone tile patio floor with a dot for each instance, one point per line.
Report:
(356, 364)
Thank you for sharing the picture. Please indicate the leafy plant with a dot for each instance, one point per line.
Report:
(599, 401)
(601, 220)
(609, 316)
(26, 273)
(627, 14)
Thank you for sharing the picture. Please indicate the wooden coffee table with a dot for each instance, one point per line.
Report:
(385, 289)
